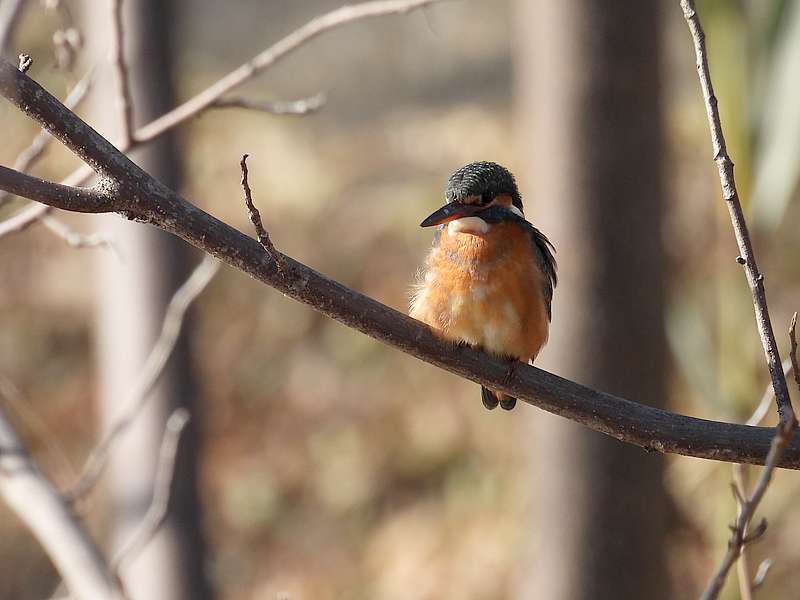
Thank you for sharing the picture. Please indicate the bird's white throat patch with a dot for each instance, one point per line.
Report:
(471, 225)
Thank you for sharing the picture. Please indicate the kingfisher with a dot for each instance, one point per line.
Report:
(488, 280)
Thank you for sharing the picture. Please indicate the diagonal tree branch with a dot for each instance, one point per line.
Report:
(139, 196)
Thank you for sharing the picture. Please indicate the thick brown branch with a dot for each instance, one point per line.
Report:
(725, 166)
(87, 200)
(627, 421)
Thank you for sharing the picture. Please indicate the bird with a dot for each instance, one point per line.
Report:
(489, 278)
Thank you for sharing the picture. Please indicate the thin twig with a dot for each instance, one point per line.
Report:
(743, 564)
(270, 56)
(746, 584)
(149, 377)
(255, 219)
(123, 95)
(301, 106)
(793, 350)
(73, 239)
(746, 255)
(162, 489)
(740, 536)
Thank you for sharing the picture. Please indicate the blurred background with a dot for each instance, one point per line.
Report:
(321, 464)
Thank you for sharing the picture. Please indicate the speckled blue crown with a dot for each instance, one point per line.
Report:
(485, 180)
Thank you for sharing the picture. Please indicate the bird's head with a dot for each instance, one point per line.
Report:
(479, 195)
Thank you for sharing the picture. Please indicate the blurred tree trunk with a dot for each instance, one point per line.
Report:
(132, 295)
(590, 135)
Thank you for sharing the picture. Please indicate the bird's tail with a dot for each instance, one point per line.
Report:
(492, 398)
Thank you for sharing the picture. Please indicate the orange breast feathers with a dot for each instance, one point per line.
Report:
(485, 290)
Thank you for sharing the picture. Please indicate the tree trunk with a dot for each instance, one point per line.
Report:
(590, 131)
(132, 294)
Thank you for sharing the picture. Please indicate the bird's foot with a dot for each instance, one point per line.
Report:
(507, 402)
(488, 398)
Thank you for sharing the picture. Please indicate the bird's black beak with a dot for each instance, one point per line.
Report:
(450, 212)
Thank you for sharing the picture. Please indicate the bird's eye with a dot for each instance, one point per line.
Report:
(486, 199)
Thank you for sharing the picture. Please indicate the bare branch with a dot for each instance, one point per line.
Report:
(743, 564)
(88, 200)
(80, 240)
(39, 506)
(117, 58)
(793, 350)
(162, 489)
(746, 255)
(301, 106)
(144, 198)
(255, 219)
(740, 536)
(148, 378)
(270, 56)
